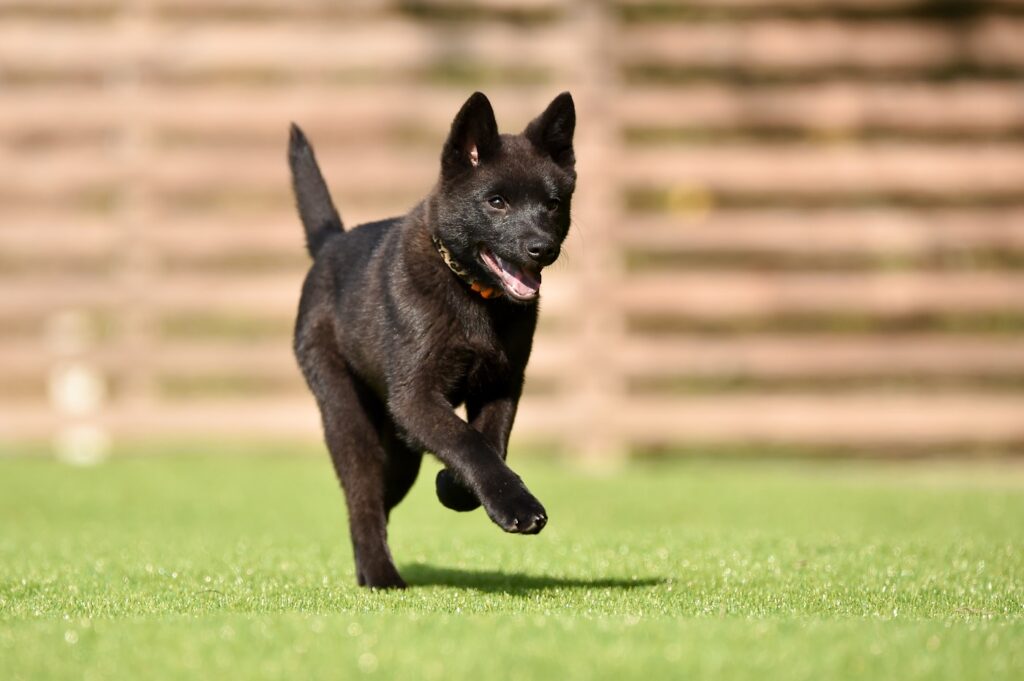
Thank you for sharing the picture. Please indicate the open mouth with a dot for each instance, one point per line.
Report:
(518, 282)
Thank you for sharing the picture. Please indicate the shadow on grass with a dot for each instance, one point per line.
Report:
(492, 581)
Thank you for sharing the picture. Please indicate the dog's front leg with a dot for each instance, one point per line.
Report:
(493, 419)
(427, 418)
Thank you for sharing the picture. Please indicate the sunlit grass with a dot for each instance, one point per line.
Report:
(240, 567)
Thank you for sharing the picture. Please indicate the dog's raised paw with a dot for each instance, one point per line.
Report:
(519, 513)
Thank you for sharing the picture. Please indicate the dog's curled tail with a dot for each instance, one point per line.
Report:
(316, 209)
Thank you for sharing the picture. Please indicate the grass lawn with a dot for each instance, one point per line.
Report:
(233, 567)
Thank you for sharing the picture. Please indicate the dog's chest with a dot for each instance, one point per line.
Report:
(479, 360)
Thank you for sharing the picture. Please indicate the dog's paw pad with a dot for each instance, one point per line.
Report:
(521, 514)
(532, 524)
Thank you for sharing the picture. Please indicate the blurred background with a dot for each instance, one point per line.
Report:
(799, 227)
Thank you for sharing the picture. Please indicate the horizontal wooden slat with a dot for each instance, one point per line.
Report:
(796, 45)
(223, 293)
(281, 292)
(261, 358)
(57, 4)
(256, 416)
(324, 111)
(286, 48)
(771, 5)
(77, 238)
(832, 107)
(719, 295)
(39, 295)
(364, 171)
(957, 169)
(349, 5)
(883, 232)
(379, 110)
(869, 420)
(253, 416)
(819, 356)
(759, 356)
(54, 173)
(281, 47)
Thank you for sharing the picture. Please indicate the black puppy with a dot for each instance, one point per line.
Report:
(404, 319)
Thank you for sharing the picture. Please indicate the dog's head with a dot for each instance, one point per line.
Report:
(502, 204)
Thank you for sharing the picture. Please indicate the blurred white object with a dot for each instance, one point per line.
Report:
(82, 444)
(77, 391)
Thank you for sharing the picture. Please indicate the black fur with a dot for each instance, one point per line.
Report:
(390, 340)
(319, 216)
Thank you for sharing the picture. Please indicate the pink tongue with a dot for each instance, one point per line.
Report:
(519, 281)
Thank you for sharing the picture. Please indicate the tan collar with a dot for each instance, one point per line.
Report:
(463, 274)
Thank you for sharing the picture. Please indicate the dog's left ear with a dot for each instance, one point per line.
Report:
(473, 138)
(551, 132)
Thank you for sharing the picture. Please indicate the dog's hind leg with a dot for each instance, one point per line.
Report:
(401, 469)
(370, 477)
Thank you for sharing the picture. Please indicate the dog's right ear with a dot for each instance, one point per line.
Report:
(473, 138)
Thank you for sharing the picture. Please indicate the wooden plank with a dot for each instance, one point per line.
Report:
(41, 176)
(206, 238)
(379, 110)
(288, 417)
(227, 292)
(279, 292)
(45, 175)
(325, 111)
(780, 356)
(202, 170)
(73, 7)
(796, 45)
(756, 356)
(770, 5)
(264, 359)
(79, 237)
(881, 232)
(32, 296)
(279, 47)
(254, 416)
(268, 9)
(720, 295)
(328, 112)
(316, 47)
(952, 169)
(865, 420)
(868, 420)
(275, 7)
(833, 107)
(267, 293)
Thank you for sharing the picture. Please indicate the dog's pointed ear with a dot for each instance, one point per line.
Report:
(473, 138)
(551, 132)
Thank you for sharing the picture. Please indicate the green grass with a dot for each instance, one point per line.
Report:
(238, 567)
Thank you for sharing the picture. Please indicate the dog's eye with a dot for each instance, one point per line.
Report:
(552, 204)
(497, 202)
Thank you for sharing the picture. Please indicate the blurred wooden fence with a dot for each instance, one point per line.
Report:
(798, 223)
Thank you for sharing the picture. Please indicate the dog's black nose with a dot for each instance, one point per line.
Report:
(542, 251)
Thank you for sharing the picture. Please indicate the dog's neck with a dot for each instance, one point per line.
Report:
(461, 272)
